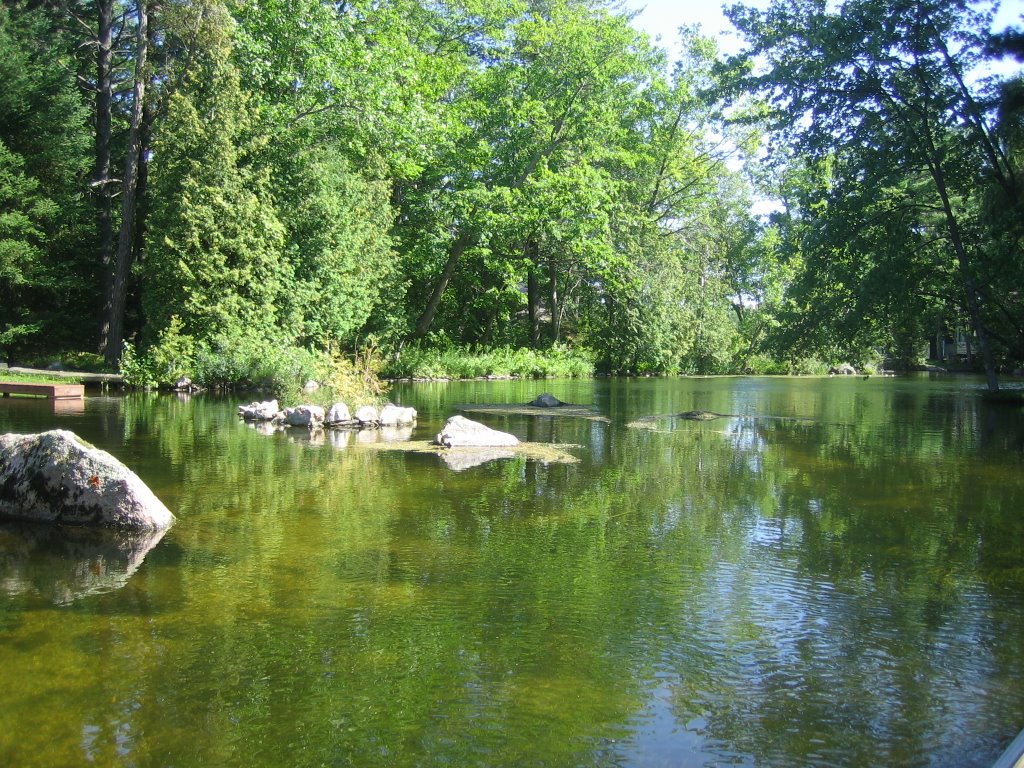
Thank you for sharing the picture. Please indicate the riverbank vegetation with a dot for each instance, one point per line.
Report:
(422, 362)
(251, 192)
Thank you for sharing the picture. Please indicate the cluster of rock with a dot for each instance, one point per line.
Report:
(848, 370)
(338, 415)
(845, 369)
(460, 432)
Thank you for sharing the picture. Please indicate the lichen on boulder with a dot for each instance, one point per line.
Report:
(56, 477)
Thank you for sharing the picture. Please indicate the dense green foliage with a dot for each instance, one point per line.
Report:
(310, 177)
(498, 362)
(43, 160)
(904, 210)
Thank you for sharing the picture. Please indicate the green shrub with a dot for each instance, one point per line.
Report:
(560, 361)
(172, 357)
(808, 366)
(90, 362)
(243, 360)
(135, 369)
(762, 365)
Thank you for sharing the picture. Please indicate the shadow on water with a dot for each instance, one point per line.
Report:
(63, 564)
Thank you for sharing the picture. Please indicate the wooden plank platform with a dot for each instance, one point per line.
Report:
(51, 391)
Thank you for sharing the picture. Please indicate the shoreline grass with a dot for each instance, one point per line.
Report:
(459, 363)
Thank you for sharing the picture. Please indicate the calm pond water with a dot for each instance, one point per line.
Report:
(842, 585)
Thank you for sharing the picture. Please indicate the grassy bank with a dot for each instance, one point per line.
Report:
(502, 362)
(37, 378)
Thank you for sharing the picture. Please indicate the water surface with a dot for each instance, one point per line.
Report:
(839, 585)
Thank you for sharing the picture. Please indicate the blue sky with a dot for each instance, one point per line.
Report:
(664, 17)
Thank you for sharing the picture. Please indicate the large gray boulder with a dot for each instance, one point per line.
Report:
(339, 414)
(367, 415)
(56, 477)
(395, 416)
(460, 432)
(259, 411)
(311, 416)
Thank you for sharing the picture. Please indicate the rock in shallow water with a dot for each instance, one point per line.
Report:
(700, 415)
(367, 414)
(311, 416)
(460, 432)
(395, 416)
(258, 411)
(338, 414)
(57, 477)
(546, 401)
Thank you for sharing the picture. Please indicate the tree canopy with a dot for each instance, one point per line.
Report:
(321, 176)
(895, 158)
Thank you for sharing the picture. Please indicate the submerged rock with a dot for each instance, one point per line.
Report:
(56, 477)
(546, 401)
(460, 459)
(460, 432)
(700, 415)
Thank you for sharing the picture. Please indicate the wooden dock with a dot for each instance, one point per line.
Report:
(50, 391)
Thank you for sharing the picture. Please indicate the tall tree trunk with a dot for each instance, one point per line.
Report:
(101, 182)
(533, 291)
(533, 304)
(455, 251)
(126, 239)
(556, 307)
(142, 203)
